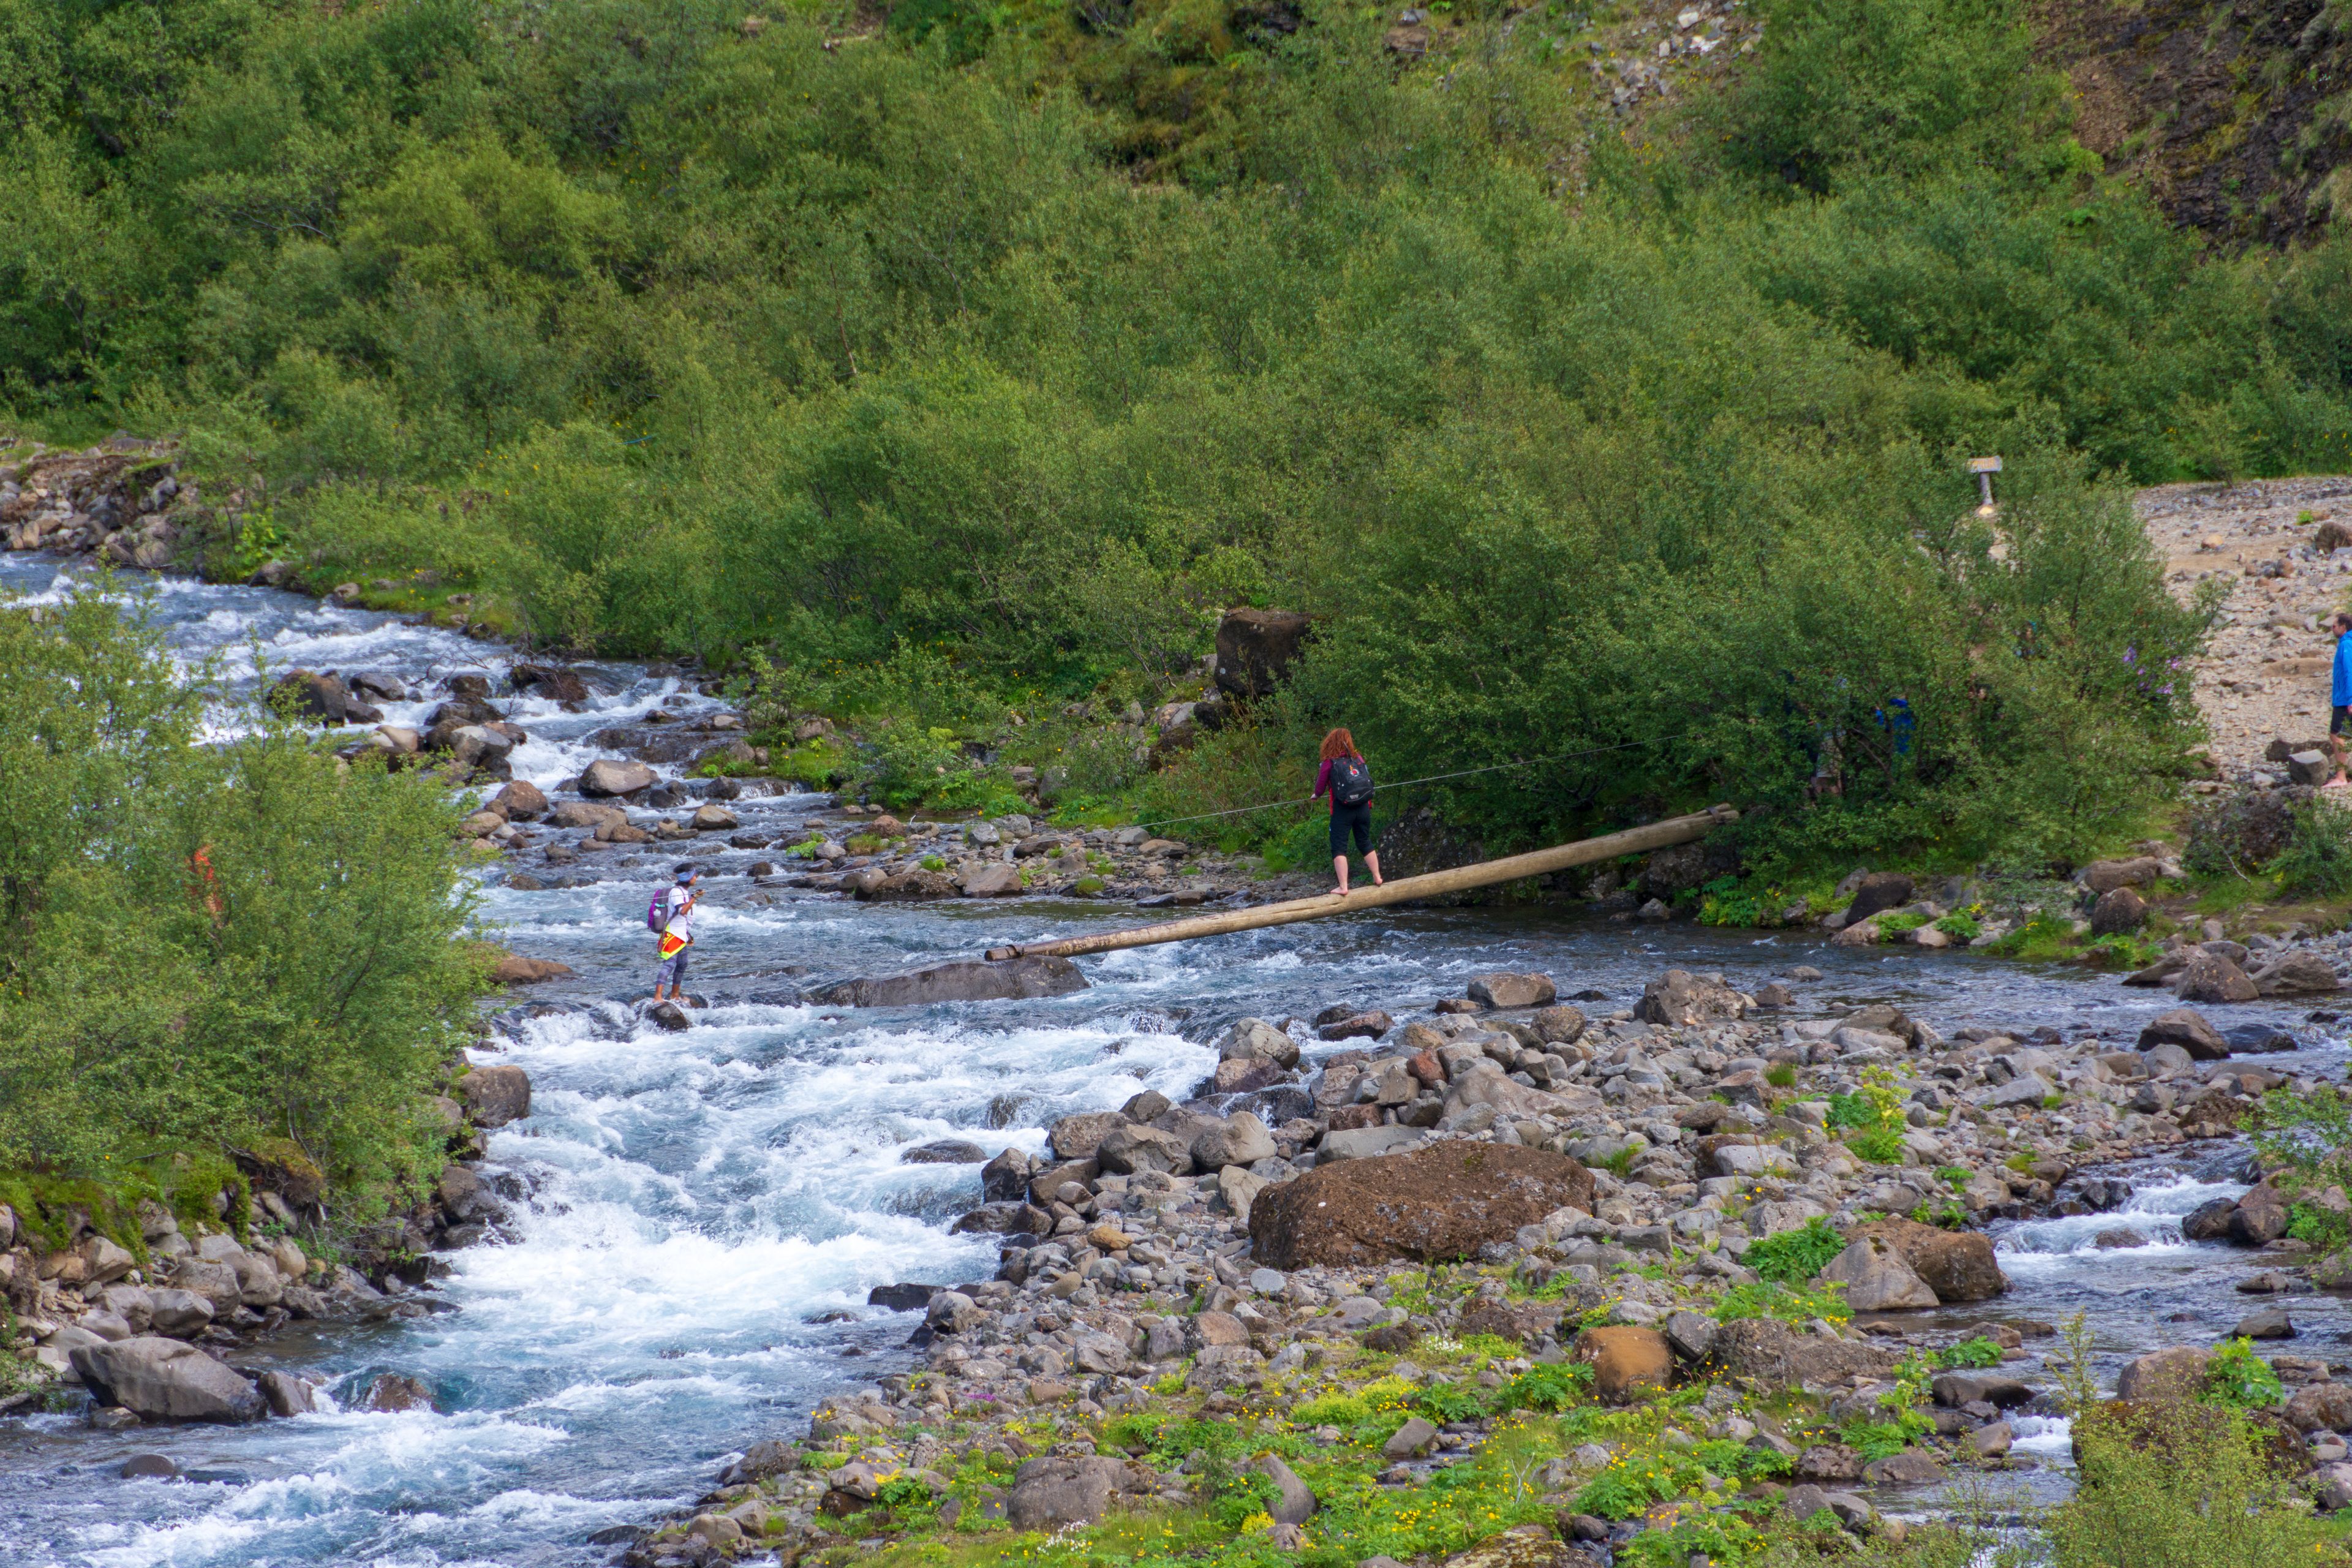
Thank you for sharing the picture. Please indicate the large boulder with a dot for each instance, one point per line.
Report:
(1257, 648)
(514, 969)
(2105, 877)
(959, 980)
(1128, 1149)
(1239, 1139)
(1956, 1265)
(1626, 1362)
(587, 813)
(1878, 893)
(1048, 1493)
(1254, 1039)
(1513, 990)
(157, 1379)
(1776, 1357)
(303, 694)
(494, 1096)
(607, 776)
(2211, 978)
(521, 800)
(2297, 974)
(1438, 1202)
(1877, 1280)
(1078, 1136)
(1681, 1000)
(2321, 1407)
(2119, 913)
(994, 880)
(2184, 1027)
(1485, 1084)
(2175, 1373)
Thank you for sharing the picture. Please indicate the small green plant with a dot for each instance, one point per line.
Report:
(1970, 1355)
(2317, 860)
(1794, 1256)
(2236, 1375)
(1450, 1403)
(1794, 1304)
(1960, 927)
(933, 863)
(1781, 1074)
(1548, 1387)
(2307, 1140)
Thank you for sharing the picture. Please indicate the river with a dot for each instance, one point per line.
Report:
(707, 1210)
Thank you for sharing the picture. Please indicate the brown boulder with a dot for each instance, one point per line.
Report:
(2175, 1373)
(1257, 648)
(1524, 1322)
(514, 969)
(521, 800)
(1958, 1265)
(2104, 877)
(2184, 1027)
(495, 1096)
(1512, 989)
(1681, 1000)
(2321, 1407)
(1879, 891)
(2118, 911)
(2297, 974)
(1439, 1203)
(1625, 1361)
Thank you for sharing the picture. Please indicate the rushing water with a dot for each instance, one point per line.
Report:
(699, 1200)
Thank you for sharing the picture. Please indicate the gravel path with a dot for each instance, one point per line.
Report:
(2266, 672)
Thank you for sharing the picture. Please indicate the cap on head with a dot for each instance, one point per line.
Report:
(686, 873)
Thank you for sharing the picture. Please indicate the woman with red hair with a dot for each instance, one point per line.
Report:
(1348, 778)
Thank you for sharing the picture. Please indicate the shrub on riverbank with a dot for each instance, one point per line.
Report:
(228, 946)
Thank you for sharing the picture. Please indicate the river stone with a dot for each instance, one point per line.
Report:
(1365, 1143)
(606, 777)
(1240, 1186)
(2259, 1218)
(167, 1380)
(2297, 974)
(1877, 1280)
(1955, 1389)
(944, 1152)
(1078, 1136)
(2104, 877)
(960, 980)
(1295, 1502)
(1776, 1356)
(1411, 1440)
(1252, 1039)
(287, 1395)
(1878, 893)
(1626, 1362)
(2321, 1407)
(495, 1096)
(1239, 1139)
(177, 1312)
(1681, 1000)
(994, 880)
(2209, 1221)
(1958, 1265)
(2178, 1372)
(154, 1467)
(2186, 1029)
(1513, 990)
(1436, 1203)
(2270, 1323)
(589, 814)
(1556, 1025)
(2213, 979)
(392, 1392)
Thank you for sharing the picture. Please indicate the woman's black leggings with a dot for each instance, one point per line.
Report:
(1348, 819)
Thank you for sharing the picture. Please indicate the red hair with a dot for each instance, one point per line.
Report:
(1339, 744)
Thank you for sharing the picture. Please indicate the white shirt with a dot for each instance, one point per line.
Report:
(679, 912)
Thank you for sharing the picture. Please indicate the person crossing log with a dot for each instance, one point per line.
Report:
(1398, 890)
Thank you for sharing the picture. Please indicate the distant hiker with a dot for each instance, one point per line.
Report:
(674, 909)
(2339, 696)
(1348, 778)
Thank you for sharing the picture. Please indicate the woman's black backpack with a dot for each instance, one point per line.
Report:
(1351, 781)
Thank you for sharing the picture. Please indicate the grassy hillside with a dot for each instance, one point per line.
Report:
(1590, 394)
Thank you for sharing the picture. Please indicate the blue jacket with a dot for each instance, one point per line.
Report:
(2340, 688)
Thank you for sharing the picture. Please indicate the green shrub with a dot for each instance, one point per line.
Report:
(2317, 860)
(2237, 1375)
(1790, 1302)
(1970, 1355)
(1794, 1256)
(2184, 1485)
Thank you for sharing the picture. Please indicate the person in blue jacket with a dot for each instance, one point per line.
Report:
(2339, 696)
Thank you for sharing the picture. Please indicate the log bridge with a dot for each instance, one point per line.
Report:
(1398, 890)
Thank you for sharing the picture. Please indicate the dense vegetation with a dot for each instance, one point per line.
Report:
(1030, 337)
(240, 948)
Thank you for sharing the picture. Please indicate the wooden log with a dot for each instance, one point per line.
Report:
(1398, 890)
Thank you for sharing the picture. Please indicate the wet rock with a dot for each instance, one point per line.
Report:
(943, 1151)
(1910, 1467)
(1878, 1279)
(287, 1395)
(305, 695)
(599, 819)
(606, 777)
(2259, 1218)
(911, 886)
(1680, 999)
(1991, 1440)
(2209, 1221)
(494, 1096)
(2270, 1323)
(2186, 1029)
(1254, 1039)
(1506, 990)
(1128, 1149)
(1955, 1389)
(669, 1016)
(1369, 1025)
(1077, 1136)
(1442, 1202)
(1957, 1266)
(901, 1297)
(2214, 980)
(167, 1380)
(552, 682)
(2299, 974)
(514, 969)
(2166, 1375)
(1626, 1362)
(519, 801)
(392, 1392)
(961, 980)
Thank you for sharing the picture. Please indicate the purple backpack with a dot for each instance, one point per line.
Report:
(657, 913)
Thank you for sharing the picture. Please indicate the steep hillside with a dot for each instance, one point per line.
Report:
(2237, 118)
